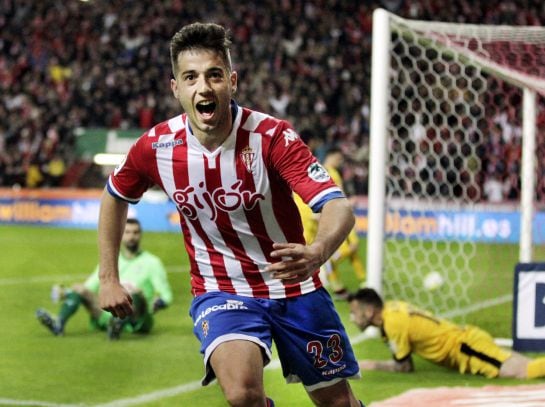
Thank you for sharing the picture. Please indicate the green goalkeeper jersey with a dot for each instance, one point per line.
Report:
(146, 272)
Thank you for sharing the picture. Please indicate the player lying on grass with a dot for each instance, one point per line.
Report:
(408, 330)
(141, 273)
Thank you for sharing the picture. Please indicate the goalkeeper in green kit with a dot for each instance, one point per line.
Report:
(142, 274)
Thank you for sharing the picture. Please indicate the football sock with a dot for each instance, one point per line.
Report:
(536, 368)
(69, 306)
(270, 403)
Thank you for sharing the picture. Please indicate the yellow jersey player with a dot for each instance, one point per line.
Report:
(333, 160)
(409, 330)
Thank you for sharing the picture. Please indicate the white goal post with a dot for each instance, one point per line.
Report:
(438, 92)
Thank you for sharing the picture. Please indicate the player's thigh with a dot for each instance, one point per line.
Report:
(89, 300)
(238, 363)
(220, 318)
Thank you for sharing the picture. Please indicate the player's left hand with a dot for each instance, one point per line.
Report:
(297, 262)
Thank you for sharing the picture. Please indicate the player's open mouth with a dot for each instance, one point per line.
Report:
(206, 108)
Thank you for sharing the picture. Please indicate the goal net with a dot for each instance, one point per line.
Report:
(456, 120)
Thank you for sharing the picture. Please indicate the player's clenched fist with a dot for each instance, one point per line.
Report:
(115, 298)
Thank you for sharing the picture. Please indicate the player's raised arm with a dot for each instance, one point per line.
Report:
(112, 295)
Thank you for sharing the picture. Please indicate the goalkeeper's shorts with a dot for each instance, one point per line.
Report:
(142, 324)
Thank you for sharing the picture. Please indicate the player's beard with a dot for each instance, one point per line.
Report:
(132, 248)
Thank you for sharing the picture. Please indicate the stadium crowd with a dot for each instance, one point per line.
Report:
(73, 64)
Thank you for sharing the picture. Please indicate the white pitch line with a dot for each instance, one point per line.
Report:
(479, 306)
(153, 396)
(42, 279)
(10, 402)
(54, 278)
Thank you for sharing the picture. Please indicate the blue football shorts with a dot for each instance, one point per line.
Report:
(310, 338)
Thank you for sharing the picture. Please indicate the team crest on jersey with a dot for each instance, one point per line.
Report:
(318, 173)
(205, 327)
(247, 156)
(289, 136)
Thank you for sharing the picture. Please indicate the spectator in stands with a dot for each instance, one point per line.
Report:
(53, 71)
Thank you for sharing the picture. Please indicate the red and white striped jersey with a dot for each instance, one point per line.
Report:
(234, 202)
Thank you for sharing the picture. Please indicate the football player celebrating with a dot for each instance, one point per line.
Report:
(231, 171)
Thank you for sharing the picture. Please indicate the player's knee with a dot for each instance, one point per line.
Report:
(79, 289)
(341, 401)
(337, 395)
(515, 367)
(244, 396)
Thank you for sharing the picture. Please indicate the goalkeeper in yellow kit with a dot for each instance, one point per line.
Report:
(349, 248)
(409, 330)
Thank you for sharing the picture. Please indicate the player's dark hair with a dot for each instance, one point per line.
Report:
(366, 296)
(333, 150)
(207, 36)
(134, 221)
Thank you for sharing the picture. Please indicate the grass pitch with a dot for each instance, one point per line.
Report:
(164, 368)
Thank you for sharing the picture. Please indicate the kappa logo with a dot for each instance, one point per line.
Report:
(318, 173)
(166, 144)
(120, 165)
(289, 136)
(230, 305)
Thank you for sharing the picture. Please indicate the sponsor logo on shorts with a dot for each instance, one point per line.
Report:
(230, 305)
(333, 371)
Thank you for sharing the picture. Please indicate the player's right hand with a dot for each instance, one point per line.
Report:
(115, 298)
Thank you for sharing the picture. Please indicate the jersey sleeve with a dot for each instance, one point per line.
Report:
(129, 181)
(160, 282)
(294, 161)
(396, 326)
